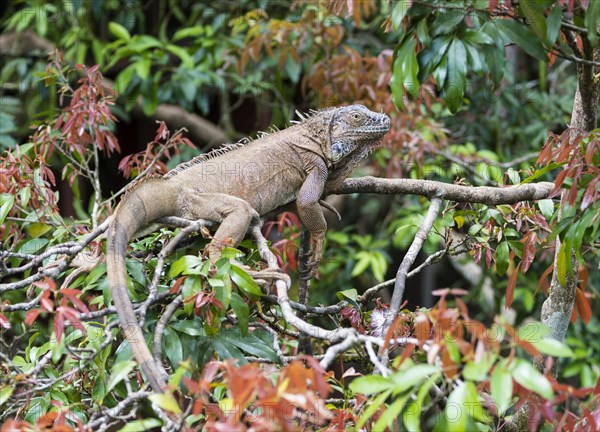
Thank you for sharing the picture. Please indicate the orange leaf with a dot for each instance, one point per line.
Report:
(31, 316)
(422, 327)
(543, 283)
(175, 288)
(512, 283)
(450, 367)
(583, 306)
(574, 315)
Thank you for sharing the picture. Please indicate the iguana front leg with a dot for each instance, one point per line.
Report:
(311, 213)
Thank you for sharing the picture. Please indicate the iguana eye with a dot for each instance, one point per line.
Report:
(355, 116)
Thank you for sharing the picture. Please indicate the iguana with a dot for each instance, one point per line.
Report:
(232, 184)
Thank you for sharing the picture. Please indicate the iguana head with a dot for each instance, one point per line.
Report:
(355, 127)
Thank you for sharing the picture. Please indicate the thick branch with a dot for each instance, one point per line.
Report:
(445, 191)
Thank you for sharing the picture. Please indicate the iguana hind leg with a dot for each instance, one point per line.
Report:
(233, 214)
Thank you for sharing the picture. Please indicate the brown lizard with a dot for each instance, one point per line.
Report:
(231, 185)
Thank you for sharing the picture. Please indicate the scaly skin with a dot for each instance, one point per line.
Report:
(232, 185)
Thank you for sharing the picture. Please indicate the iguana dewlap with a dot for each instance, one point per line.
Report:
(231, 184)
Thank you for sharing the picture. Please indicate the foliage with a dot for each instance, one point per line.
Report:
(234, 362)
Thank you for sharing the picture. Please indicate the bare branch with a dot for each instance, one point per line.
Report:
(428, 188)
(409, 259)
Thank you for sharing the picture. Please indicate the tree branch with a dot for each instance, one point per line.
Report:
(445, 191)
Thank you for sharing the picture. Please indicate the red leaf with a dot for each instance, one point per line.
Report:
(72, 294)
(46, 302)
(583, 306)
(319, 378)
(543, 283)
(4, 323)
(591, 193)
(528, 250)
(510, 287)
(422, 327)
(574, 315)
(545, 154)
(59, 323)
(31, 316)
(175, 288)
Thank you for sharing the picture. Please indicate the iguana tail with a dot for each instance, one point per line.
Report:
(149, 201)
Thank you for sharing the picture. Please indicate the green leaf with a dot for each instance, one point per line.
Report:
(350, 295)
(123, 79)
(524, 37)
(405, 72)
(547, 208)
(502, 387)
(562, 264)
(465, 399)
(372, 408)
(242, 312)
(362, 264)
(141, 425)
(38, 229)
(534, 11)
(292, 68)
(166, 401)
(187, 265)
(142, 68)
(474, 229)
(188, 327)
(141, 43)
(541, 172)
(5, 394)
(188, 32)
(456, 81)
(410, 377)
(390, 414)
(119, 31)
(173, 347)
(431, 57)
(371, 384)
(7, 201)
(32, 246)
(473, 37)
(119, 372)
(532, 332)
(225, 350)
(412, 413)
(183, 55)
(447, 21)
(553, 347)
(399, 12)
(592, 16)
(501, 257)
(99, 390)
(477, 371)
(529, 377)
(251, 345)
(38, 406)
(553, 23)
(244, 282)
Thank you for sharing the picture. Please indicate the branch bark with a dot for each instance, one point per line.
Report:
(445, 191)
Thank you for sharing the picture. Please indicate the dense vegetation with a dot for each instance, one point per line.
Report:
(493, 328)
